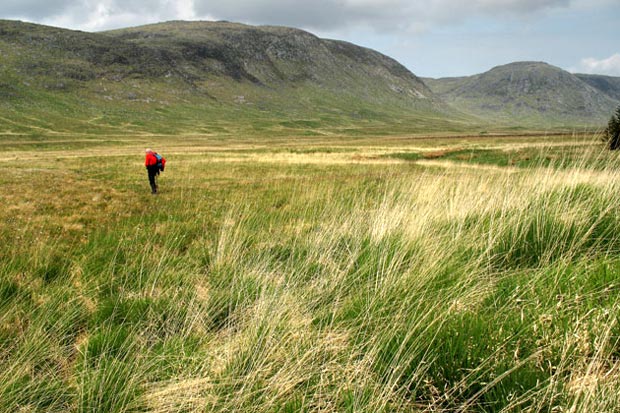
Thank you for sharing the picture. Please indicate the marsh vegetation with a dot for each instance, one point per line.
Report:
(335, 274)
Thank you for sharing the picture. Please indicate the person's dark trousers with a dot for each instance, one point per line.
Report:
(153, 172)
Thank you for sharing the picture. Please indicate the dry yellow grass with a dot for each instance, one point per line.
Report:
(328, 279)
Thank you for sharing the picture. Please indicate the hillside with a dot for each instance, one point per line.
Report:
(527, 93)
(201, 77)
(609, 85)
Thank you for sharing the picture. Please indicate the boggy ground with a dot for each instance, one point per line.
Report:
(312, 274)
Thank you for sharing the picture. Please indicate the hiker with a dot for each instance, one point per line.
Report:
(154, 164)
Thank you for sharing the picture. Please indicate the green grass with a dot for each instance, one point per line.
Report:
(527, 156)
(340, 274)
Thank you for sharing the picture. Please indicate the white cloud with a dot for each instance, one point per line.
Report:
(609, 66)
(380, 15)
(95, 15)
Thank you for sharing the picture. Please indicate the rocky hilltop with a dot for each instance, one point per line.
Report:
(528, 93)
(609, 85)
(187, 69)
(271, 56)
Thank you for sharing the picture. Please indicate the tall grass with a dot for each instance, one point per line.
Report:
(309, 289)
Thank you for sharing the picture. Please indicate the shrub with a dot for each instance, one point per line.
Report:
(611, 135)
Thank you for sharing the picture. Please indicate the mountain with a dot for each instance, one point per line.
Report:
(528, 93)
(204, 77)
(609, 85)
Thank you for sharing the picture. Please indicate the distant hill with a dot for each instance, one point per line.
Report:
(530, 93)
(609, 85)
(200, 76)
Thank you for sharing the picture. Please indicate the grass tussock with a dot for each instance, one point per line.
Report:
(275, 287)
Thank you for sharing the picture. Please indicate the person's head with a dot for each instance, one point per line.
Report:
(148, 150)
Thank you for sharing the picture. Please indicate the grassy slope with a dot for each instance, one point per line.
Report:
(181, 78)
(306, 276)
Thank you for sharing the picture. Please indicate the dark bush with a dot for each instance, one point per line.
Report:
(611, 135)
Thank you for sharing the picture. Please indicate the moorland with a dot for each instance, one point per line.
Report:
(349, 244)
(340, 274)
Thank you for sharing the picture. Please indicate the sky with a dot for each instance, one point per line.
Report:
(432, 38)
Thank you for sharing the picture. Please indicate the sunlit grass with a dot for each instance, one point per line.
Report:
(311, 278)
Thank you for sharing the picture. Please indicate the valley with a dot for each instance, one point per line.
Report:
(331, 233)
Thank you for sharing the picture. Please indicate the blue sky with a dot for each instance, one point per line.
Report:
(433, 38)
